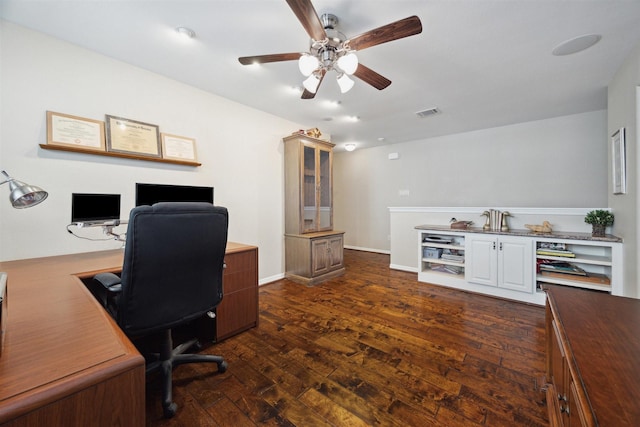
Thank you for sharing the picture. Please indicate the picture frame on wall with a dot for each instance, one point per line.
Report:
(176, 147)
(619, 167)
(132, 137)
(65, 130)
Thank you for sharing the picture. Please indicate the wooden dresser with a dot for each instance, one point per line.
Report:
(593, 358)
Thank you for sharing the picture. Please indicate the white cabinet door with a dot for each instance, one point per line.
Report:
(481, 259)
(515, 263)
(501, 261)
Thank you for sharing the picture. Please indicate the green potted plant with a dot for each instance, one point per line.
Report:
(599, 219)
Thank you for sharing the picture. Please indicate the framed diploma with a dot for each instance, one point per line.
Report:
(73, 131)
(176, 147)
(132, 137)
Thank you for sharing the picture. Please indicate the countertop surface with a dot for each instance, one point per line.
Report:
(526, 233)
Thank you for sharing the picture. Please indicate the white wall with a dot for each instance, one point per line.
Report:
(556, 163)
(240, 148)
(623, 112)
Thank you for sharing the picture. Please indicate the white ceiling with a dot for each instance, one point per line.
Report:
(482, 63)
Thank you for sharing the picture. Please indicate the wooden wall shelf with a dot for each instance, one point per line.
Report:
(121, 155)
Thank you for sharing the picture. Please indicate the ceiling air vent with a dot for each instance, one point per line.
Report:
(426, 113)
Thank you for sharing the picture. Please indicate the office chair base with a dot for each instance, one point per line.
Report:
(170, 357)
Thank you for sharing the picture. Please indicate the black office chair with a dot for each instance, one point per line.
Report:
(172, 275)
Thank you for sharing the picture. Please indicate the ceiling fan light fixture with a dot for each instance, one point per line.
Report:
(345, 83)
(311, 83)
(348, 63)
(307, 64)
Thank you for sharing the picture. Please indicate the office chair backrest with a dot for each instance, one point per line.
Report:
(173, 263)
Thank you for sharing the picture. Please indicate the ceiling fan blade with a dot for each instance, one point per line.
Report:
(308, 17)
(367, 75)
(396, 30)
(276, 57)
(307, 95)
(310, 95)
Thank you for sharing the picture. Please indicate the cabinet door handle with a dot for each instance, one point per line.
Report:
(494, 246)
(500, 245)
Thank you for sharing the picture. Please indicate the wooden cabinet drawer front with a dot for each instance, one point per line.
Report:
(239, 311)
(241, 261)
(240, 280)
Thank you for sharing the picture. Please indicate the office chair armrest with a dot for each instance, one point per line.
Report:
(111, 290)
(110, 281)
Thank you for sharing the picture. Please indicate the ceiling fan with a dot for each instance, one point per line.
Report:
(331, 50)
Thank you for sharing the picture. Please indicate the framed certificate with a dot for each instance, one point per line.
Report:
(73, 131)
(132, 137)
(178, 147)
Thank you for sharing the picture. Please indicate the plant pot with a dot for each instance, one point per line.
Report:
(598, 230)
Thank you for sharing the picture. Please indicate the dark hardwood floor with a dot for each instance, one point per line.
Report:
(372, 347)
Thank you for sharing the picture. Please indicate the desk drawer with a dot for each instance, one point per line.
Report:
(241, 261)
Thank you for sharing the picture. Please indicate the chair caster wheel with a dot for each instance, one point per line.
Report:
(170, 411)
(222, 367)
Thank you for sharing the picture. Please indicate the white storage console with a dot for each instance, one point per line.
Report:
(514, 264)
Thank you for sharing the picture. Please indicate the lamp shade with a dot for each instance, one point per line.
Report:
(348, 63)
(345, 83)
(311, 83)
(23, 195)
(307, 64)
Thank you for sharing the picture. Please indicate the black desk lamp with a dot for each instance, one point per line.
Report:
(23, 195)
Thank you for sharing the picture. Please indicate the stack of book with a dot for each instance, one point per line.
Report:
(448, 255)
(561, 267)
(566, 270)
(451, 269)
(554, 249)
(555, 252)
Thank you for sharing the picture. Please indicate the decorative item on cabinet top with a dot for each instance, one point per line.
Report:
(544, 228)
(125, 138)
(496, 220)
(599, 219)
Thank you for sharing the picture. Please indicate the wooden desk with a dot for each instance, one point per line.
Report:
(65, 361)
(593, 346)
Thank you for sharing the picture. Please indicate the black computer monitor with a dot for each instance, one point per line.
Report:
(86, 207)
(149, 194)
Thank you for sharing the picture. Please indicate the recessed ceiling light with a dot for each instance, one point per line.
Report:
(186, 33)
(576, 44)
(331, 104)
(352, 119)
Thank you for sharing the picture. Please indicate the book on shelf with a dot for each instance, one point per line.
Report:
(437, 239)
(452, 257)
(552, 245)
(562, 267)
(443, 268)
(596, 278)
(555, 252)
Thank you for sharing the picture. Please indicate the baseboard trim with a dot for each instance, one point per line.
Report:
(358, 248)
(267, 280)
(403, 268)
